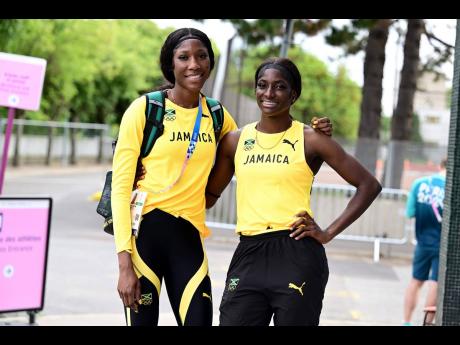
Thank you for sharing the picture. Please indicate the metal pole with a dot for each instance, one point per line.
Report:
(6, 144)
(287, 37)
(31, 317)
(376, 250)
(65, 139)
(222, 73)
(448, 299)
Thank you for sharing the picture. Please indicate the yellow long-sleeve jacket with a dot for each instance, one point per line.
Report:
(185, 199)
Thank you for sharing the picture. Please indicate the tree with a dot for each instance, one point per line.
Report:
(31, 38)
(402, 121)
(361, 34)
(125, 68)
(322, 92)
(94, 67)
(371, 104)
(373, 42)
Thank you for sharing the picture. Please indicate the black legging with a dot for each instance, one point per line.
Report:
(171, 248)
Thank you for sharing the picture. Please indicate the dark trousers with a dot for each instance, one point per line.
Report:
(170, 248)
(274, 275)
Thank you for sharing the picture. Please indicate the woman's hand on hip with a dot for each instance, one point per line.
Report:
(305, 226)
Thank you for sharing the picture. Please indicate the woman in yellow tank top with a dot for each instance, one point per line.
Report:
(279, 268)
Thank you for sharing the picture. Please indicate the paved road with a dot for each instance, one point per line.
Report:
(82, 267)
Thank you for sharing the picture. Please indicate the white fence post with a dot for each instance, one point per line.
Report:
(377, 250)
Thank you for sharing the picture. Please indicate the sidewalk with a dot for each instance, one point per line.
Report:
(82, 267)
(359, 291)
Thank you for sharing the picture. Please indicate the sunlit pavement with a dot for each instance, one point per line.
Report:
(82, 266)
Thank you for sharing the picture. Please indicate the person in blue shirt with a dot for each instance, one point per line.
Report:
(425, 204)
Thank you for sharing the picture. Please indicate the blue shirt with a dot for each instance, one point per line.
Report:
(426, 202)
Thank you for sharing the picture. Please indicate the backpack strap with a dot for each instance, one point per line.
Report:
(154, 114)
(217, 113)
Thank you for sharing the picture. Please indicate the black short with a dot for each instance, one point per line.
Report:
(275, 275)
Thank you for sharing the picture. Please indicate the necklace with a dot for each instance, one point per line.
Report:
(279, 140)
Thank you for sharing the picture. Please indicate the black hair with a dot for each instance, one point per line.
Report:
(287, 68)
(172, 41)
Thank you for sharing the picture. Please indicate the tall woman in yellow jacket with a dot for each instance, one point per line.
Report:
(169, 245)
(279, 268)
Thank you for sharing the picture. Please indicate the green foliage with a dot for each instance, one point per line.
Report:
(363, 23)
(257, 31)
(415, 129)
(449, 98)
(311, 27)
(95, 68)
(340, 36)
(323, 94)
(385, 128)
(352, 37)
(266, 30)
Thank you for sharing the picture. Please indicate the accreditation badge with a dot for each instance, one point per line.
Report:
(137, 205)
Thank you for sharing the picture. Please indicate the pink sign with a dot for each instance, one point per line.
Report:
(24, 232)
(21, 81)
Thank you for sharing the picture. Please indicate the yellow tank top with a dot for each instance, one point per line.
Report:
(273, 179)
(164, 164)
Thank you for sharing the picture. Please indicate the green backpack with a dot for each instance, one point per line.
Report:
(154, 113)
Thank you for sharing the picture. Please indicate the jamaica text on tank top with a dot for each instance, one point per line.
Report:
(273, 179)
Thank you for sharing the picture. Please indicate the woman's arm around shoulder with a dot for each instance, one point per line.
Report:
(313, 160)
(224, 167)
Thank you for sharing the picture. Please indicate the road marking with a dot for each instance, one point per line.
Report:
(343, 294)
(355, 314)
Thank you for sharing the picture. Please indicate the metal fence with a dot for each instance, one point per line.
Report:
(35, 141)
(383, 222)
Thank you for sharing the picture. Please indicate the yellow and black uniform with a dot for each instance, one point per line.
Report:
(170, 237)
(270, 272)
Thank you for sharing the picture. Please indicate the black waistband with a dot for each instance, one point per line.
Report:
(277, 233)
